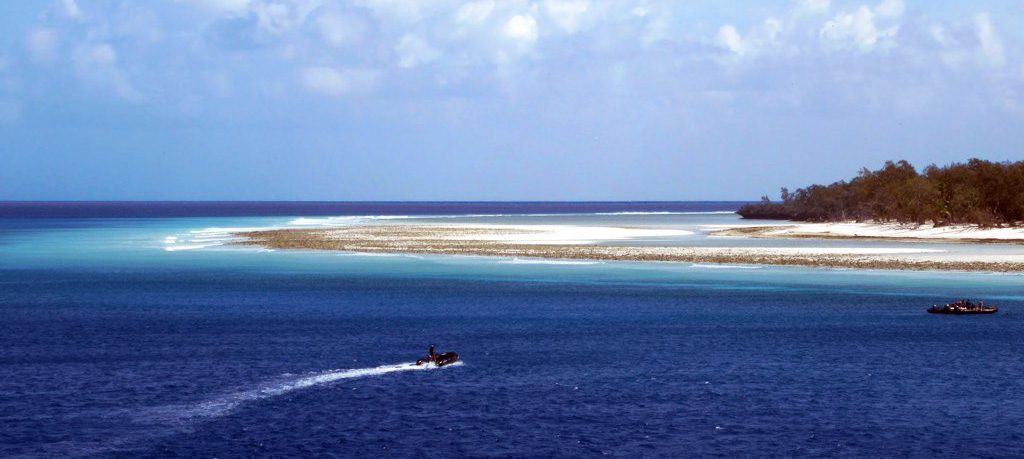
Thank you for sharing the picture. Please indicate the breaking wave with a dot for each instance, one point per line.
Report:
(204, 238)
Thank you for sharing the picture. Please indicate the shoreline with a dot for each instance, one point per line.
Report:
(877, 232)
(499, 241)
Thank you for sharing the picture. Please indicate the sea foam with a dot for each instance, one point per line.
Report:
(224, 404)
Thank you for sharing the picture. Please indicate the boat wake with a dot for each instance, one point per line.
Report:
(224, 404)
(161, 421)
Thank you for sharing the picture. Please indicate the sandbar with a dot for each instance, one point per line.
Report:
(602, 243)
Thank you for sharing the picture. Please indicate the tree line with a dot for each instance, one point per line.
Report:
(978, 192)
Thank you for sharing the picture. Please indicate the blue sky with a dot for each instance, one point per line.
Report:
(517, 99)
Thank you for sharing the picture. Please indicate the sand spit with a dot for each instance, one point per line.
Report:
(880, 231)
(519, 241)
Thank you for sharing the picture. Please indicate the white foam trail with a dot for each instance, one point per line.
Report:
(225, 404)
(161, 421)
(337, 375)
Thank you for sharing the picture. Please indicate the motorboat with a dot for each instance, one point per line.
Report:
(440, 360)
(963, 307)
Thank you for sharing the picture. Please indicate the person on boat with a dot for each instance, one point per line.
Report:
(431, 355)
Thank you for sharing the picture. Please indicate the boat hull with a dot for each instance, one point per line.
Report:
(954, 312)
(440, 360)
(447, 358)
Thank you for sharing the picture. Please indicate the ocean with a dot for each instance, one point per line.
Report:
(138, 329)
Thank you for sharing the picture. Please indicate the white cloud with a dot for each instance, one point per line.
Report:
(812, 6)
(400, 11)
(890, 8)
(475, 12)
(274, 18)
(762, 39)
(413, 51)
(730, 38)
(338, 82)
(522, 28)
(939, 34)
(71, 9)
(341, 30)
(952, 52)
(97, 64)
(326, 46)
(42, 44)
(772, 28)
(222, 6)
(856, 30)
(991, 46)
(102, 54)
(567, 14)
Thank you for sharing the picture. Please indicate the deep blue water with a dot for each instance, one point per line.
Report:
(130, 351)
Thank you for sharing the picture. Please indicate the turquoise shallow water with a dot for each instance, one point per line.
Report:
(204, 243)
(111, 344)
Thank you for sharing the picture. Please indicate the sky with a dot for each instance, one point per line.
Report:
(495, 100)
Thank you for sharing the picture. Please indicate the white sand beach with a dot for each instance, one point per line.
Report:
(578, 242)
(854, 230)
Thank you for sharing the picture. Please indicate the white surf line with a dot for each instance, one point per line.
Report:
(206, 238)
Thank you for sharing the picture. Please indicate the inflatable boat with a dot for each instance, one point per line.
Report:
(963, 308)
(442, 359)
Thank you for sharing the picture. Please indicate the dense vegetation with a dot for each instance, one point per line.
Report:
(979, 192)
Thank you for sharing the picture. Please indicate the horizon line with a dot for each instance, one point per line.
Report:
(122, 201)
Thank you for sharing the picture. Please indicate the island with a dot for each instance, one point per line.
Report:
(578, 243)
(978, 202)
(978, 193)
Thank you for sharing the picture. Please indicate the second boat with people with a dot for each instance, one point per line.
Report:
(963, 307)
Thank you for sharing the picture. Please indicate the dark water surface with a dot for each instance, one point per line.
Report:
(197, 359)
(95, 363)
